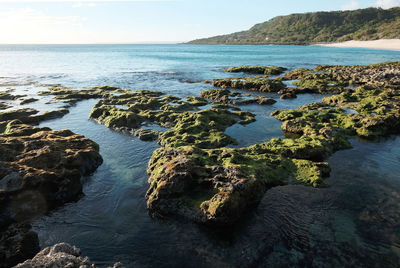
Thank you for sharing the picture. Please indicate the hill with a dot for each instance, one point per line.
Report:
(317, 27)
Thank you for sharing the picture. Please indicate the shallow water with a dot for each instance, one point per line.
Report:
(357, 213)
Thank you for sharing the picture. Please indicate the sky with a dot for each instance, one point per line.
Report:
(147, 21)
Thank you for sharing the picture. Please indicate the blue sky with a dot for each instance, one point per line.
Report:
(147, 21)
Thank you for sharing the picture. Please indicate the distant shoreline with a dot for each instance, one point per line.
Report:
(388, 44)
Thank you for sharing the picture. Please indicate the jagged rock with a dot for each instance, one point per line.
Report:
(60, 255)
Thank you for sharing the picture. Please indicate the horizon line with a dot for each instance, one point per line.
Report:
(103, 43)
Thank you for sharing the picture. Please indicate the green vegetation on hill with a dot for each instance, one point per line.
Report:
(361, 24)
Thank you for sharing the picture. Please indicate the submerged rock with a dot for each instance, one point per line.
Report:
(59, 256)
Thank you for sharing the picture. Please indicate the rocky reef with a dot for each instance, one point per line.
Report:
(216, 185)
(193, 175)
(59, 256)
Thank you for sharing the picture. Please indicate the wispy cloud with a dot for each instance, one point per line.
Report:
(351, 5)
(28, 15)
(80, 4)
(387, 3)
(27, 25)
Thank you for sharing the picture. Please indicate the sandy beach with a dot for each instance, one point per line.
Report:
(390, 44)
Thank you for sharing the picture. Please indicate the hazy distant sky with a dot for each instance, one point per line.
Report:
(137, 21)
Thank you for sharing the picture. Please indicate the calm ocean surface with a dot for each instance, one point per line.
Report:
(353, 222)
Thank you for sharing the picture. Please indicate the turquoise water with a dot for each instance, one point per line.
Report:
(353, 222)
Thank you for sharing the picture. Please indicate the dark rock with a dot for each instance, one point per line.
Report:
(25, 101)
(4, 106)
(146, 134)
(17, 243)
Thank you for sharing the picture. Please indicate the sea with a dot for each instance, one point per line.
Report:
(353, 222)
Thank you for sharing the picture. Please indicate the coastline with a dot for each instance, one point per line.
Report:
(388, 44)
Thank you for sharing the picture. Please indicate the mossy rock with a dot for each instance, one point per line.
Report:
(257, 69)
(254, 83)
(216, 186)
